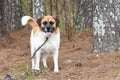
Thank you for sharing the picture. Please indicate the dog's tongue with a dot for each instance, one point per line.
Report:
(48, 34)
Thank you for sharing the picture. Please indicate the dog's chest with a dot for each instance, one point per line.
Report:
(49, 46)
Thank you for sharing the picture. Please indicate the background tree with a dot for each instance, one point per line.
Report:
(26, 7)
(1, 13)
(103, 16)
(10, 15)
(56, 3)
(68, 20)
(51, 7)
(84, 15)
(38, 9)
(105, 23)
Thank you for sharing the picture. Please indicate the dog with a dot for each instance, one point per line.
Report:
(44, 27)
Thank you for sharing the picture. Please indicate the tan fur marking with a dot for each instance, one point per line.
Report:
(34, 26)
(32, 23)
(48, 18)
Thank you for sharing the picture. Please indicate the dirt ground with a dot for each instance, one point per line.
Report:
(76, 62)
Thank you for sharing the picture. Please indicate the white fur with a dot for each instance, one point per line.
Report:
(25, 19)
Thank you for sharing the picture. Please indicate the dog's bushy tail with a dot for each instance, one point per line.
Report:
(30, 20)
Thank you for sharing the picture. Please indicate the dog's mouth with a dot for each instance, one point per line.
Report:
(48, 34)
(48, 30)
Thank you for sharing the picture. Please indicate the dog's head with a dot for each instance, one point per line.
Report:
(48, 24)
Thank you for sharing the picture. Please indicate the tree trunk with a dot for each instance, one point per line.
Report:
(51, 9)
(1, 13)
(84, 15)
(68, 20)
(56, 3)
(12, 14)
(105, 22)
(117, 13)
(38, 9)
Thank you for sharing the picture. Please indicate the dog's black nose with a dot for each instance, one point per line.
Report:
(48, 29)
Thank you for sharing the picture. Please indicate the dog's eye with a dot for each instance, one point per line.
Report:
(45, 22)
(51, 23)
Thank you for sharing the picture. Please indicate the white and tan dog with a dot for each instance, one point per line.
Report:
(45, 27)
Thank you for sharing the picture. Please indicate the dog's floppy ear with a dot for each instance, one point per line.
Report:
(39, 21)
(57, 21)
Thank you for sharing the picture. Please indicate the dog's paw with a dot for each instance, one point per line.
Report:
(56, 71)
(37, 71)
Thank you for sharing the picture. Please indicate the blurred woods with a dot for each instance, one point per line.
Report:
(101, 16)
(65, 10)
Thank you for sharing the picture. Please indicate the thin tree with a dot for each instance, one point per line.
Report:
(38, 10)
(56, 4)
(84, 15)
(51, 8)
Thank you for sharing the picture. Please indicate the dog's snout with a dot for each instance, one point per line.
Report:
(50, 29)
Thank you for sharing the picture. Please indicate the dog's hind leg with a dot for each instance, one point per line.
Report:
(44, 59)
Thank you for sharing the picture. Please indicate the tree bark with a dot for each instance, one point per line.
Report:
(117, 13)
(51, 9)
(84, 15)
(56, 3)
(103, 15)
(38, 10)
(68, 21)
(12, 14)
(1, 11)
(105, 22)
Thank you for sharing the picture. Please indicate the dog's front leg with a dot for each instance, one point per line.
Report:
(33, 59)
(55, 59)
(37, 61)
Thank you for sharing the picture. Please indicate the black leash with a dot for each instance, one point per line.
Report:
(39, 48)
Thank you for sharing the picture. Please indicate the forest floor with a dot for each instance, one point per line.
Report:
(76, 62)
